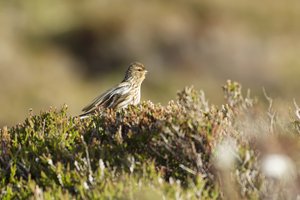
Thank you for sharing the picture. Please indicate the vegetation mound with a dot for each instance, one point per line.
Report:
(188, 149)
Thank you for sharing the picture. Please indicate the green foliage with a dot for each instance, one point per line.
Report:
(147, 151)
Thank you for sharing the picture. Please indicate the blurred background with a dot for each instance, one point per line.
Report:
(69, 51)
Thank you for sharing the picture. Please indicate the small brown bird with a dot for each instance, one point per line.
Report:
(125, 93)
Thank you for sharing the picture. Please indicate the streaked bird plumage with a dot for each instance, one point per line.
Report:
(125, 93)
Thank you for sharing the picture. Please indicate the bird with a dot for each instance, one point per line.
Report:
(128, 92)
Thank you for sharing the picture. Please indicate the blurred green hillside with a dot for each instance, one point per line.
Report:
(63, 51)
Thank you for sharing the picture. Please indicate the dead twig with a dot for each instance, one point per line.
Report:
(297, 112)
(271, 113)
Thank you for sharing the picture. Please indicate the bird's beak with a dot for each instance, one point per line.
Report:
(146, 72)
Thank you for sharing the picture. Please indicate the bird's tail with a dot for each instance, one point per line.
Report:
(82, 116)
(86, 114)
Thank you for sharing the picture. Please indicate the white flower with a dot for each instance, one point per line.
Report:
(278, 166)
(226, 154)
(85, 185)
(50, 162)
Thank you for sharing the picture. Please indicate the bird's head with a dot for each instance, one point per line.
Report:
(135, 72)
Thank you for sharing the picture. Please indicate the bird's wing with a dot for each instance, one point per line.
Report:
(110, 98)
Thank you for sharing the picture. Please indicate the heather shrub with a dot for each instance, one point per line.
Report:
(187, 149)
